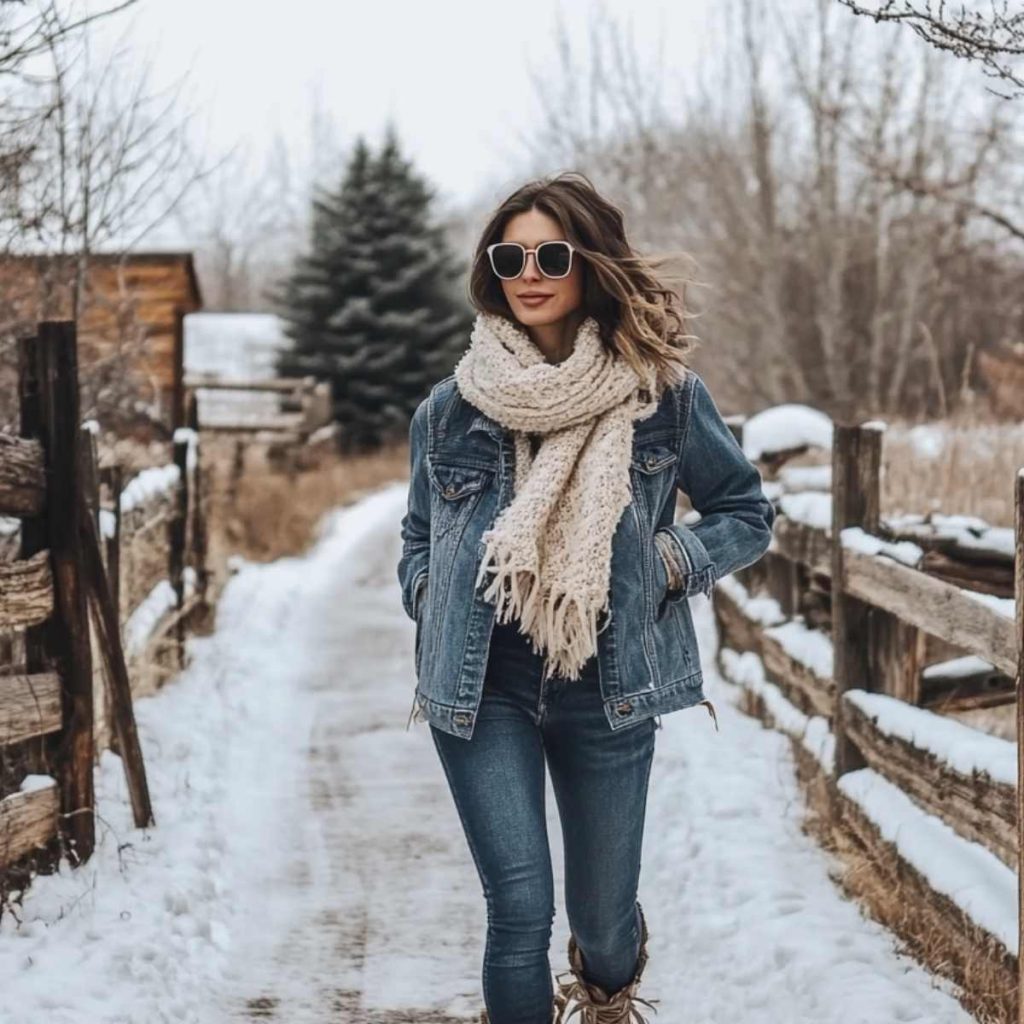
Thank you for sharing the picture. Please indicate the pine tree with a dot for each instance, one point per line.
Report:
(374, 305)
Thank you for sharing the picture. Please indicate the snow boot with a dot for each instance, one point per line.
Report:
(591, 1001)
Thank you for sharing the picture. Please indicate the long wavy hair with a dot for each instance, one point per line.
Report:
(639, 315)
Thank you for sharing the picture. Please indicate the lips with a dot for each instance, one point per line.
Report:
(533, 300)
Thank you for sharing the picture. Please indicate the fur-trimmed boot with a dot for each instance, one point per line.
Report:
(579, 996)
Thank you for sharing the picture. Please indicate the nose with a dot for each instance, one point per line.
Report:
(530, 271)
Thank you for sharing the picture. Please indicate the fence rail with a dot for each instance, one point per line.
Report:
(862, 640)
(60, 596)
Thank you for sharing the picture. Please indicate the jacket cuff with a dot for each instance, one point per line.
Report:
(702, 575)
(418, 587)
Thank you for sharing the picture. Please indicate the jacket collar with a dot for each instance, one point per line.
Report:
(483, 422)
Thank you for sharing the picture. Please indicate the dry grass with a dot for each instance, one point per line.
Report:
(264, 503)
(961, 466)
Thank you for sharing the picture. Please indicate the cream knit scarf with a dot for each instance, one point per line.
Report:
(550, 548)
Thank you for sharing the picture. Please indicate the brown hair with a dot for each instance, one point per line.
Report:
(640, 317)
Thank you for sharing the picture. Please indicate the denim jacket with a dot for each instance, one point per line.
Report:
(462, 474)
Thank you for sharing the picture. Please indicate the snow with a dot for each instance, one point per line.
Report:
(784, 427)
(1004, 606)
(34, 783)
(191, 438)
(759, 607)
(141, 623)
(964, 749)
(810, 508)
(108, 523)
(966, 531)
(810, 647)
(307, 853)
(904, 551)
(812, 731)
(151, 482)
(806, 478)
(234, 346)
(928, 440)
(968, 665)
(968, 873)
(971, 876)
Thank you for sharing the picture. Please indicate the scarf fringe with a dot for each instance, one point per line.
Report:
(562, 625)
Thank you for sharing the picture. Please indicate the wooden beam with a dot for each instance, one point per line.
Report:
(108, 630)
(932, 605)
(29, 706)
(856, 461)
(72, 751)
(27, 821)
(22, 476)
(26, 591)
(975, 806)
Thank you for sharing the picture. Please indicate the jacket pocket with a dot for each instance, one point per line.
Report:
(457, 490)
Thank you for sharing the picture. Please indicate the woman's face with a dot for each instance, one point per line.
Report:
(564, 295)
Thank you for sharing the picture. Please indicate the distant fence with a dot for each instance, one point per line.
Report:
(70, 561)
(860, 637)
(287, 405)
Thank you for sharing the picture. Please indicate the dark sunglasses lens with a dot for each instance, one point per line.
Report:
(507, 260)
(553, 258)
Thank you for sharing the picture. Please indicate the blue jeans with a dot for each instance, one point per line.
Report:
(600, 781)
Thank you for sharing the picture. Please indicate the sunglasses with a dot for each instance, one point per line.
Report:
(508, 259)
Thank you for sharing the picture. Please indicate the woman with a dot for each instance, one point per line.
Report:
(549, 582)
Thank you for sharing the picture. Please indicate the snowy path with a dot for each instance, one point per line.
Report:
(308, 865)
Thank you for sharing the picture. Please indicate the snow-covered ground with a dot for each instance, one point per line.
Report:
(308, 865)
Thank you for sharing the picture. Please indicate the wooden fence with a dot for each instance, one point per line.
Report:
(69, 564)
(295, 406)
(862, 641)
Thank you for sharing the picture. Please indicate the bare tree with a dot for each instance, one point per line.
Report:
(784, 171)
(252, 217)
(993, 38)
(95, 160)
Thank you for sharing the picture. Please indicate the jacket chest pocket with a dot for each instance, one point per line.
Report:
(456, 491)
(652, 471)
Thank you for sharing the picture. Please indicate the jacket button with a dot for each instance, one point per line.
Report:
(461, 718)
(450, 490)
(624, 708)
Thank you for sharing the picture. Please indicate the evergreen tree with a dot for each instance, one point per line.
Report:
(374, 305)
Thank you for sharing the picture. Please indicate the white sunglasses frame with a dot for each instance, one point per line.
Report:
(526, 254)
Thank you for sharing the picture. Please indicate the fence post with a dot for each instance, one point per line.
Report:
(1018, 594)
(71, 750)
(856, 463)
(198, 517)
(178, 533)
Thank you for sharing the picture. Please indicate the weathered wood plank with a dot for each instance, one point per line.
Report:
(22, 476)
(976, 806)
(27, 821)
(72, 752)
(29, 706)
(26, 591)
(932, 605)
(920, 600)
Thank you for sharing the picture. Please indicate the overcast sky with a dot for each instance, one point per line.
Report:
(452, 73)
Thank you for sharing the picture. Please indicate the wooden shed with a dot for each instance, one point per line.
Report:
(130, 318)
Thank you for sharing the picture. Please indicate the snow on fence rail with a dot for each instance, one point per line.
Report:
(68, 564)
(854, 649)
